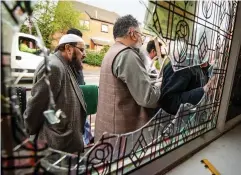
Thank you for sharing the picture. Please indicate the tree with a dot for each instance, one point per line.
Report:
(43, 14)
(66, 17)
(53, 17)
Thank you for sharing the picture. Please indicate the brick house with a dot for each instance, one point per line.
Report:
(98, 25)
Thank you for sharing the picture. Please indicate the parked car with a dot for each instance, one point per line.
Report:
(25, 55)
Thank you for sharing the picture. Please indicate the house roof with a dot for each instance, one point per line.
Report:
(96, 13)
(101, 41)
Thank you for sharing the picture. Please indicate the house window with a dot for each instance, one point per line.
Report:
(85, 24)
(104, 28)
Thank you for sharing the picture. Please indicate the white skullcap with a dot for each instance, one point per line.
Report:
(70, 38)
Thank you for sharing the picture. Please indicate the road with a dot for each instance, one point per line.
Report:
(91, 78)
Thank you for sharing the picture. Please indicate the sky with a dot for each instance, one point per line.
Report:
(121, 7)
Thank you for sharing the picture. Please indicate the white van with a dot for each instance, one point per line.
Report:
(22, 60)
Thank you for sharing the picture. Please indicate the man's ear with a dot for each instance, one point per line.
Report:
(68, 48)
(131, 31)
(132, 35)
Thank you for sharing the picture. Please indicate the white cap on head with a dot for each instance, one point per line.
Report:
(70, 38)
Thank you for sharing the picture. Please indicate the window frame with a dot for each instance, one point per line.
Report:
(106, 26)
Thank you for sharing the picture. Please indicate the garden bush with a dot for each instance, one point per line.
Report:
(95, 58)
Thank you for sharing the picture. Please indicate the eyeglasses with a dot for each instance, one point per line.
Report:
(143, 37)
(80, 49)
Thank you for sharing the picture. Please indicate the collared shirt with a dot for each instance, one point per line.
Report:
(148, 62)
(129, 67)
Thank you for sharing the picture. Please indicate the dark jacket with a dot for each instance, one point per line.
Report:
(184, 86)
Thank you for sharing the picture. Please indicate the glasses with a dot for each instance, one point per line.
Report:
(143, 37)
(80, 49)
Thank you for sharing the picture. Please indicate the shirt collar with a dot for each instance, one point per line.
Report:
(59, 55)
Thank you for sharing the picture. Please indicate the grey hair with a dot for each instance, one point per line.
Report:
(122, 25)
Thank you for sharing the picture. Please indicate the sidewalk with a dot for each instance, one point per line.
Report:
(224, 154)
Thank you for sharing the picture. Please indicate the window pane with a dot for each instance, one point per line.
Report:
(104, 28)
(28, 45)
(87, 24)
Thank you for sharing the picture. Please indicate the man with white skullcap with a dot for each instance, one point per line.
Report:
(65, 135)
(78, 70)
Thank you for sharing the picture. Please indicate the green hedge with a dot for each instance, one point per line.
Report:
(95, 58)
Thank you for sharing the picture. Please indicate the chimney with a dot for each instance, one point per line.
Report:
(96, 14)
